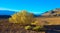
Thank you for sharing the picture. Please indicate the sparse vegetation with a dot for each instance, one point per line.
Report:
(25, 18)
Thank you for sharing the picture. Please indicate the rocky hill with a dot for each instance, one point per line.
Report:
(55, 12)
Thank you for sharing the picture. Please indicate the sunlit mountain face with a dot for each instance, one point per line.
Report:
(54, 12)
(6, 12)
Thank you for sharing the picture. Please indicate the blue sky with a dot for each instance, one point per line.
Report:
(35, 6)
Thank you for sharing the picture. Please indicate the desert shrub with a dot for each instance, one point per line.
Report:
(37, 28)
(27, 27)
(22, 17)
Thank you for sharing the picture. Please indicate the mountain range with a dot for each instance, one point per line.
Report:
(6, 12)
(55, 12)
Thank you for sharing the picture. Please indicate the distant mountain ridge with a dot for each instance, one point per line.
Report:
(6, 12)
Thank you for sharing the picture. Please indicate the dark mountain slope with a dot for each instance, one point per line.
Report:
(6, 12)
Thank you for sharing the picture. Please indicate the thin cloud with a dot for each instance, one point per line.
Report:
(35, 12)
(8, 9)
